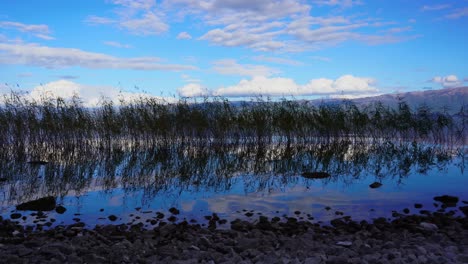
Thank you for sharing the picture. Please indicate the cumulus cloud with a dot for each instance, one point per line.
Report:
(344, 86)
(140, 17)
(193, 90)
(259, 86)
(90, 95)
(40, 31)
(231, 67)
(49, 57)
(447, 81)
(184, 35)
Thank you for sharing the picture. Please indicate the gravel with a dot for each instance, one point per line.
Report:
(433, 238)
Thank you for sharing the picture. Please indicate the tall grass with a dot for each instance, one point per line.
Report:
(26, 123)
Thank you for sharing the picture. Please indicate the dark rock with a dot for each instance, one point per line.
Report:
(464, 209)
(337, 222)
(159, 215)
(418, 206)
(3, 179)
(60, 209)
(15, 216)
(406, 211)
(42, 204)
(172, 219)
(249, 214)
(174, 210)
(447, 200)
(112, 218)
(315, 175)
(375, 185)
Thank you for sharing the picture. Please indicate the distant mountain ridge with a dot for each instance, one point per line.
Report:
(448, 99)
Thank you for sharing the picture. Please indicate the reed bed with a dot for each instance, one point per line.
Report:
(56, 122)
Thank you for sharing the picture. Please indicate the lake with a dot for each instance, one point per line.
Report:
(134, 182)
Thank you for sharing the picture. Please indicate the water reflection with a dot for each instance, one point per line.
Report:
(208, 168)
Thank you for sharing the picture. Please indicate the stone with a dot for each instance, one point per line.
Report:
(447, 200)
(428, 226)
(375, 185)
(464, 209)
(42, 204)
(60, 209)
(174, 211)
(344, 243)
(418, 206)
(112, 218)
(15, 215)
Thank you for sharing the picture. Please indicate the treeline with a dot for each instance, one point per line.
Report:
(58, 121)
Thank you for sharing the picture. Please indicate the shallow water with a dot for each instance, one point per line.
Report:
(135, 183)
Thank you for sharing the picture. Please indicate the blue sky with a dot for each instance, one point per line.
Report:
(232, 48)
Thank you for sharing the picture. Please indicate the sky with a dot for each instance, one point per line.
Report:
(231, 48)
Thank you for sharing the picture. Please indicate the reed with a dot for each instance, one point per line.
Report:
(27, 123)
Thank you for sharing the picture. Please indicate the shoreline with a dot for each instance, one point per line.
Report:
(430, 238)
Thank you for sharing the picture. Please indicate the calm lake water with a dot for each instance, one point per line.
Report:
(133, 183)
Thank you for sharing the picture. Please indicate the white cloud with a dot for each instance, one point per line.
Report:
(90, 95)
(193, 90)
(231, 67)
(278, 60)
(435, 7)
(458, 13)
(447, 81)
(117, 44)
(40, 31)
(346, 85)
(139, 17)
(259, 86)
(320, 58)
(284, 25)
(399, 29)
(48, 57)
(184, 35)
(340, 3)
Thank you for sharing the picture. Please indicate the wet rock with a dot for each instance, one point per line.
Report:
(60, 209)
(315, 175)
(42, 204)
(418, 206)
(406, 211)
(174, 210)
(112, 218)
(344, 243)
(447, 200)
(15, 215)
(428, 226)
(464, 210)
(375, 185)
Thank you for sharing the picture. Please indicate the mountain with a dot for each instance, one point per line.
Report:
(448, 99)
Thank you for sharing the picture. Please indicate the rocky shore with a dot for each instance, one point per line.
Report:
(428, 238)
